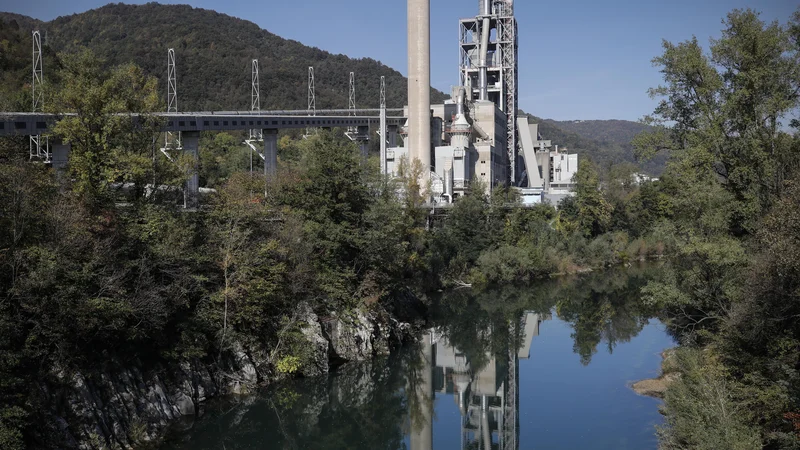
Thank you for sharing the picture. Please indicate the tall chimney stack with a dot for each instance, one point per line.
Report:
(419, 84)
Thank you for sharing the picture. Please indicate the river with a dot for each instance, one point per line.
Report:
(541, 366)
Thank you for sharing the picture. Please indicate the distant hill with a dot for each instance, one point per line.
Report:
(606, 142)
(214, 53)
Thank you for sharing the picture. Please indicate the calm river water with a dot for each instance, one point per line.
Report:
(545, 366)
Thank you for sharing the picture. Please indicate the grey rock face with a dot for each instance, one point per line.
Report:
(125, 407)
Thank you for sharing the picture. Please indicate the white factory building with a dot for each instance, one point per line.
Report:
(476, 135)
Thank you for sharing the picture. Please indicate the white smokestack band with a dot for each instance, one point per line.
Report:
(419, 83)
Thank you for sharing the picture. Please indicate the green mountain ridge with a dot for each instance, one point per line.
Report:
(213, 56)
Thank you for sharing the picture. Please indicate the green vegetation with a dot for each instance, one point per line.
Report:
(100, 266)
(732, 290)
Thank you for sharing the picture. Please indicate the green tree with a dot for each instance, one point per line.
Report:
(593, 211)
(108, 145)
(727, 107)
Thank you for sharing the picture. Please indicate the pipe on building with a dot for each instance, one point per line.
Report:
(419, 83)
(483, 76)
(460, 98)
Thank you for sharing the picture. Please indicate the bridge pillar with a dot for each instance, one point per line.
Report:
(60, 152)
(392, 136)
(270, 152)
(191, 147)
(363, 142)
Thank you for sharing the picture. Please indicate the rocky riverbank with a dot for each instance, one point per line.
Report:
(127, 406)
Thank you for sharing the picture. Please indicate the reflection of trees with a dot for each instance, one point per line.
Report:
(374, 405)
(604, 307)
(362, 403)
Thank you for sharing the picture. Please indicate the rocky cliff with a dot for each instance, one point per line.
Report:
(128, 406)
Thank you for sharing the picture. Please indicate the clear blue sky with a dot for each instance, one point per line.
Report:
(579, 59)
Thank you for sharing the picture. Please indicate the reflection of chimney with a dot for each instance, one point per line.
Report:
(419, 82)
(422, 431)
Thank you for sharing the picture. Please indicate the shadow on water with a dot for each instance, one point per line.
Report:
(472, 354)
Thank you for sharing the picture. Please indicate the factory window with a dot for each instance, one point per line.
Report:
(283, 122)
(234, 123)
(181, 123)
(296, 122)
(274, 122)
(259, 122)
(251, 123)
(205, 123)
(224, 123)
(20, 125)
(193, 123)
(169, 124)
(2, 125)
(216, 123)
(41, 125)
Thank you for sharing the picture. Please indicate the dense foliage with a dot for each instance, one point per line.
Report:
(732, 290)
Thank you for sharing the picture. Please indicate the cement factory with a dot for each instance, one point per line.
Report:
(476, 135)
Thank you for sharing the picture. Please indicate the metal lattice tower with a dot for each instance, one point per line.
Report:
(255, 98)
(312, 98)
(351, 103)
(39, 145)
(501, 67)
(383, 92)
(172, 140)
(507, 31)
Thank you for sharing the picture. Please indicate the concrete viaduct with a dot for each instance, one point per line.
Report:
(191, 124)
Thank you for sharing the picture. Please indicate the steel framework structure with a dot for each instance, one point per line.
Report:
(39, 145)
(383, 92)
(172, 141)
(351, 103)
(255, 98)
(502, 68)
(312, 97)
(507, 32)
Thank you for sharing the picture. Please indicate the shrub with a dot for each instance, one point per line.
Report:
(702, 409)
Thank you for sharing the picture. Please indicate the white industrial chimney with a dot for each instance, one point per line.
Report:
(419, 83)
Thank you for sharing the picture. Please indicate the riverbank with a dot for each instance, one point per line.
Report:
(131, 404)
(657, 387)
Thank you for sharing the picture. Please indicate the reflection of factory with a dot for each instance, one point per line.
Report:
(476, 135)
(486, 396)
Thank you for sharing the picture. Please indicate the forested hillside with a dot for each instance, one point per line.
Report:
(606, 131)
(606, 142)
(214, 53)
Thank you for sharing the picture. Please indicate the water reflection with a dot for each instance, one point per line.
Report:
(466, 366)
(474, 351)
(484, 385)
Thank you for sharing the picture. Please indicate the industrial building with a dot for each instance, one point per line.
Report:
(476, 135)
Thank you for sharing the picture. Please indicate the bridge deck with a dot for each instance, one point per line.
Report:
(29, 124)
